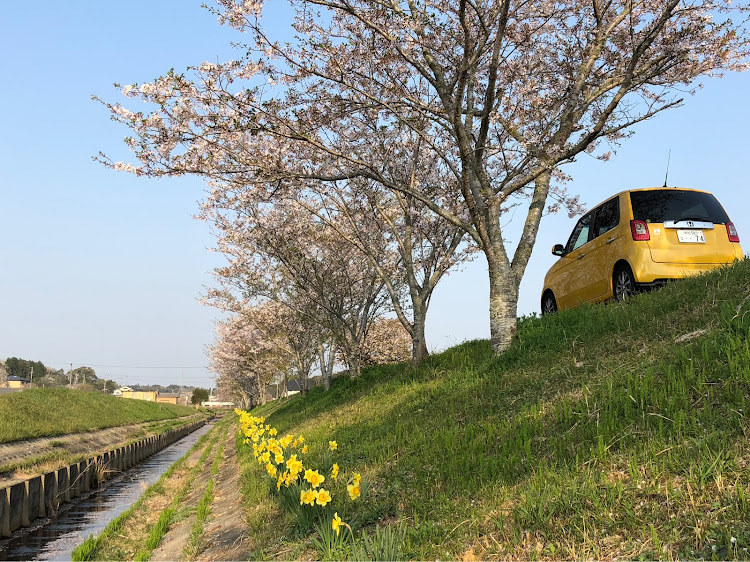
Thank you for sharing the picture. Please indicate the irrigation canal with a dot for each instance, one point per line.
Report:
(56, 539)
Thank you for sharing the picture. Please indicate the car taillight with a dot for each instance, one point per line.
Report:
(639, 230)
(732, 233)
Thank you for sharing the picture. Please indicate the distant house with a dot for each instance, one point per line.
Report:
(275, 391)
(292, 387)
(168, 398)
(16, 382)
(148, 395)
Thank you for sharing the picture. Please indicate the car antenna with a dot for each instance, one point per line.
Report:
(667, 174)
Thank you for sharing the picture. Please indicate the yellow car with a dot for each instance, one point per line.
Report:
(639, 239)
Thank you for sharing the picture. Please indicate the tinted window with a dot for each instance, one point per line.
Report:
(607, 217)
(580, 234)
(673, 205)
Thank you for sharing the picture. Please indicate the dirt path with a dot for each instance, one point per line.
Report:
(89, 442)
(225, 530)
(172, 546)
(226, 534)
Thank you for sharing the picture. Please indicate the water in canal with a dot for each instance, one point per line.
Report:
(57, 539)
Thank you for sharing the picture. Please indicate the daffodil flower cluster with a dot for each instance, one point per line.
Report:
(281, 459)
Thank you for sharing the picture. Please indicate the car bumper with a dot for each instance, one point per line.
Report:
(650, 273)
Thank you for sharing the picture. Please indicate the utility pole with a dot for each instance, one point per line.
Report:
(31, 379)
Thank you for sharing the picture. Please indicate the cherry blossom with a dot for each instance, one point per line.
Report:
(500, 95)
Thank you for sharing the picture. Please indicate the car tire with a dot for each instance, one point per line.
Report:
(623, 283)
(549, 304)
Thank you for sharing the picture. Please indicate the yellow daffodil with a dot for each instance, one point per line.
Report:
(265, 457)
(314, 477)
(335, 471)
(356, 478)
(332, 445)
(322, 497)
(273, 432)
(294, 465)
(271, 469)
(304, 449)
(336, 523)
(353, 491)
(278, 459)
(307, 497)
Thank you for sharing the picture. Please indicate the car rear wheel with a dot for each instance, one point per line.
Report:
(624, 283)
(549, 305)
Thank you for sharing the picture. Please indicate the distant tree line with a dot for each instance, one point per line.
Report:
(82, 378)
(24, 368)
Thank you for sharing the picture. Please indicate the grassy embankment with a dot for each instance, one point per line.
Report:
(48, 412)
(598, 434)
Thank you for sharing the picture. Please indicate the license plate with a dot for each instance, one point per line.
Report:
(691, 236)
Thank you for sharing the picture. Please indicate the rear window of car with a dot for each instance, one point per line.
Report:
(673, 205)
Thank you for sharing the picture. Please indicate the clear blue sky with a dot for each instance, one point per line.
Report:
(104, 269)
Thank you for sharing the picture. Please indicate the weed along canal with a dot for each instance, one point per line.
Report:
(56, 539)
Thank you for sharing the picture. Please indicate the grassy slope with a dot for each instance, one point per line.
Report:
(45, 412)
(594, 436)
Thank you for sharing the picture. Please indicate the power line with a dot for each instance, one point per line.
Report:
(119, 366)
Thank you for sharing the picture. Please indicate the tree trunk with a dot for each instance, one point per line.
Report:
(503, 309)
(261, 392)
(326, 367)
(418, 341)
(354, 363)
(505, 277)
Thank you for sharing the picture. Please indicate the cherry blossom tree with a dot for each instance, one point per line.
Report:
(280, 254)
(245, 360)
(386, 342)
(377, 220)
(502, 92)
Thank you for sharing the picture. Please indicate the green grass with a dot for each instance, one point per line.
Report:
(48, 412)
(594, 436)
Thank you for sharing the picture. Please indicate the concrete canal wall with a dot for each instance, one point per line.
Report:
(22, 503)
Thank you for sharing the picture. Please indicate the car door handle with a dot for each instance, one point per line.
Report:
(611, 240)
(580, 256)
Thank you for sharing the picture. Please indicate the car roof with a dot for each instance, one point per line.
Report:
(644, 189)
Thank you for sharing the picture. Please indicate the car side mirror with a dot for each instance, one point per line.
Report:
(558, 250)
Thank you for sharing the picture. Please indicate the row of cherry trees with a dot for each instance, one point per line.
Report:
(385, 141)
(310, 276)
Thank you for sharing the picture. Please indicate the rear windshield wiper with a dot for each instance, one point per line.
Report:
(699, 219)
